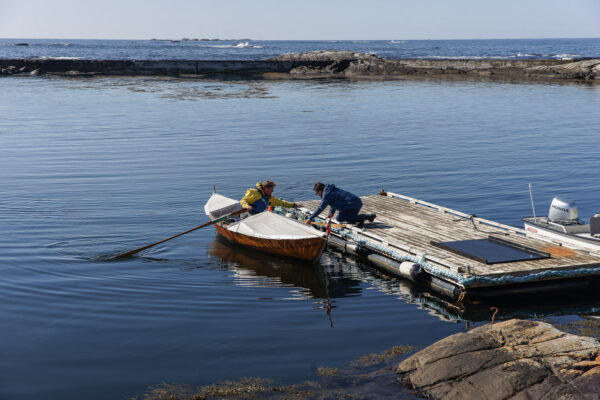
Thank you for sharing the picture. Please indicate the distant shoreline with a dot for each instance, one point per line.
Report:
(313, 65)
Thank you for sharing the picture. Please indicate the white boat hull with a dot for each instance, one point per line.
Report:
(579, 241)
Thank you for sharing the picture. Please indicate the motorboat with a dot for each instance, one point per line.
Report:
(562, 224)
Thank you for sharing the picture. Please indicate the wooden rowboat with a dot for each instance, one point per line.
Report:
(308, 249)
(267, 231)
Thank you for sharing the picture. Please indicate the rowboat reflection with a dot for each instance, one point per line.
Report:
(312, 278)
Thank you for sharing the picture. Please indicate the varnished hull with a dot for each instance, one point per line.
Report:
(302, 249)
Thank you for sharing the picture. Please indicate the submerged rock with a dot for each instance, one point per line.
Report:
(514, 359)
(8, 70)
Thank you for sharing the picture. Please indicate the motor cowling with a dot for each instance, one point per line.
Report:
(595, 225)
(563, 211)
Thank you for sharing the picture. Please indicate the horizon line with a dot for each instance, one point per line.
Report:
(291, 40)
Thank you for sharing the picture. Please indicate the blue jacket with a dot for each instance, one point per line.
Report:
(338, 199)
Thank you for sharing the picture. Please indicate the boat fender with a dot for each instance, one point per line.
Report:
(352, 247)
(344, 245)
(410, 270)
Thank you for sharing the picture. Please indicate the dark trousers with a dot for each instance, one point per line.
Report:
(350, 213)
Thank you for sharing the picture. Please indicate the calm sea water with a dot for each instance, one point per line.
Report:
(257, 50)
(90, 168)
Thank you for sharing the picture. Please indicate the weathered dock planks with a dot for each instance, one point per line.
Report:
(406, 227)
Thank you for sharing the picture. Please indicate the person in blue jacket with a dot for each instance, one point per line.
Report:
(347, 204)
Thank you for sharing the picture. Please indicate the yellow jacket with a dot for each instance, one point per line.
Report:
(253, 195)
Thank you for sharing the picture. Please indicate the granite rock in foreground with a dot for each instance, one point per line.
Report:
(514, 360)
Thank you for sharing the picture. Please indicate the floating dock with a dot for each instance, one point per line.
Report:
(460, 255)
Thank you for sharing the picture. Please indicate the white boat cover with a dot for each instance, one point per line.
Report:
(268, 225)
(219, 205)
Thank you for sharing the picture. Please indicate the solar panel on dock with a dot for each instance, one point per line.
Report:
(491, 250)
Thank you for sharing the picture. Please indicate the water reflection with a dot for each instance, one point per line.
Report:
(523, 306)
(315, 281)
(541, 305)
(339, 276)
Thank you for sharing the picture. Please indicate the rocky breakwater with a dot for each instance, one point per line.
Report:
(198, 68)
(356, 65)
(316, 64)
(514, 360)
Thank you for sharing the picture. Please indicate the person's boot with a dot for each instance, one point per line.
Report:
(361, 222)
(371, 217)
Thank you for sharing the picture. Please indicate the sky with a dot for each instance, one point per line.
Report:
(295, 20)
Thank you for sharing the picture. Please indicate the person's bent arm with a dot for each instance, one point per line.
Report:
(322, 206)
(281, 203)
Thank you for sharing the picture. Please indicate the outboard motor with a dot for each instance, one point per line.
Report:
(563, 212)
(595, 225)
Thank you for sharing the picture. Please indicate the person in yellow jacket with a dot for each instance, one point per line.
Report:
(259, 199)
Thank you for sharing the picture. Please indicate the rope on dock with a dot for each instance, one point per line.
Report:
(421, 259)
(572, 273)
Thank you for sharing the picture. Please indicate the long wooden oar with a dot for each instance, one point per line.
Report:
(214, 221)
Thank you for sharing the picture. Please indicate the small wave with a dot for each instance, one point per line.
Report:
(59, 58)
(61, 44)
(489, 57)
(557, 56)
(459, 57)
(397, 41)
(241, 45)
(565, 56)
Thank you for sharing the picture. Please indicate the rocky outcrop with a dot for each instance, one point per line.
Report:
(587, 69)
(351, 64)
(8, 70)
(324, 55)
(245, 68)
(514, 360)
(316, 64)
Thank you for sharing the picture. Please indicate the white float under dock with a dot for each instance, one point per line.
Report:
(409, 239)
